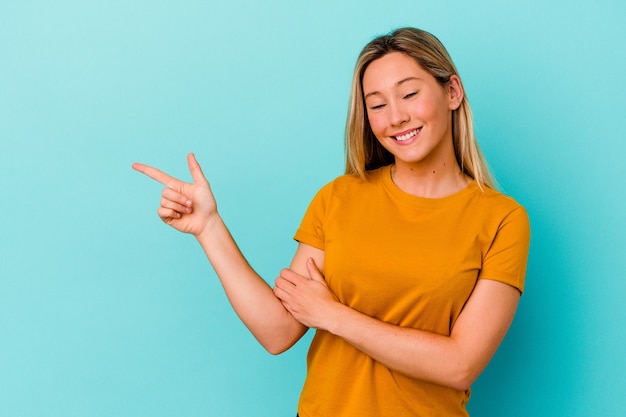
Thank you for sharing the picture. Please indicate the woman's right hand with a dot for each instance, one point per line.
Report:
(191, 208)
(186, 207)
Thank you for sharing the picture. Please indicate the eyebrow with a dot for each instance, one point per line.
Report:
(397, 85)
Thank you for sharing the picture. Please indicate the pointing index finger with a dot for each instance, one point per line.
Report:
(157, 175)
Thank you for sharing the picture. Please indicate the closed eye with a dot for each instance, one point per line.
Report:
(410, 94)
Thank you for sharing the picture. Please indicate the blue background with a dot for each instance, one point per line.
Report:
(104, 311)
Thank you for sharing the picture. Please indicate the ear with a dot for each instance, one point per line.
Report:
(455, 92)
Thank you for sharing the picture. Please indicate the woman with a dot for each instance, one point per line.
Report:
(410, 267)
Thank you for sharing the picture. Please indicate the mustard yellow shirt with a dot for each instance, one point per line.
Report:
(409, 261)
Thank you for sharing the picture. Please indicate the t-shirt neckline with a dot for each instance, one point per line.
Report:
(427, 202)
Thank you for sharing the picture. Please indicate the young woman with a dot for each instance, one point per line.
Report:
(410, 267)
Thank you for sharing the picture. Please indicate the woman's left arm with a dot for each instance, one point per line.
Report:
(454, 361)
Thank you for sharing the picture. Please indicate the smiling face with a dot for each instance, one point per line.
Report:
(409, 112)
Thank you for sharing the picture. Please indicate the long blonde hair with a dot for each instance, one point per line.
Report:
(364, 152)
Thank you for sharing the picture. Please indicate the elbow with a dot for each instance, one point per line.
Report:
(463, 377)
(276, 346)
(278, 339)
(461, 384)
(275, 349)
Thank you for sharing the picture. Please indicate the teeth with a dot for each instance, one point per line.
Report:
(407, 136)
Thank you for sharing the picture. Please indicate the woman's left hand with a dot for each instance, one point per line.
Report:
(308, 299)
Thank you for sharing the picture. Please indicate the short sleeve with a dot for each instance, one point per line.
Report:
(311, 230)
(506, 258)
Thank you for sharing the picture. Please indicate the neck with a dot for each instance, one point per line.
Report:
(434, 181)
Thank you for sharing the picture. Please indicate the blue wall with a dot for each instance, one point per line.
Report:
(104, 311)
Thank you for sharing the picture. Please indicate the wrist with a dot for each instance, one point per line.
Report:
(211, 226)
(336, 318)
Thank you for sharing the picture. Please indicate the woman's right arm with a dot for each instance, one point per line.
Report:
(191, 208)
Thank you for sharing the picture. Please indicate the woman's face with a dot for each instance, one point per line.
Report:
(409, 112)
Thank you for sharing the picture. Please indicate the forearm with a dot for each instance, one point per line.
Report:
(455, 360)
(416, 353)
(251, 297)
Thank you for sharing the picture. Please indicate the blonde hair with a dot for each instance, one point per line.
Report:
(364, 152)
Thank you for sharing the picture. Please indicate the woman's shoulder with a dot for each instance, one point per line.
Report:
(492, 196)
(348, 186)
(499, 204)
(354, 181)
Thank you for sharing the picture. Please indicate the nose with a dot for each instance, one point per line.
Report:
(397, 114)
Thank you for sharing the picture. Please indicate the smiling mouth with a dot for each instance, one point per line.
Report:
(407, 136)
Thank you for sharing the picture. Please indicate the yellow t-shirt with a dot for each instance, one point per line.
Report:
(409, 261)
